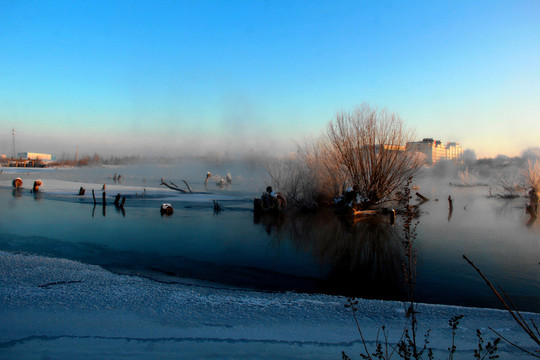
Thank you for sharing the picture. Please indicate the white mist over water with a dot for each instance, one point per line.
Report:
(302, 254)
(55, 307)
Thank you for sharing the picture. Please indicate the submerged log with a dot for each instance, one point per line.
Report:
(166, 209)
(508, 196)
(365, 212)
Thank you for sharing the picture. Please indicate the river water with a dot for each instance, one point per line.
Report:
(318, 253)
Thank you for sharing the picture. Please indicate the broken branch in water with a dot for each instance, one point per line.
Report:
(422, 198)
(189, 187)
(175, 187)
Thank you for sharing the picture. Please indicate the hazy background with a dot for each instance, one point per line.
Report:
(170, 77)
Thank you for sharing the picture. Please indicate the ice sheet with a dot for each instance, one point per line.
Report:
(63, 188)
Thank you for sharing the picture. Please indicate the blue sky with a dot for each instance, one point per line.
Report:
(162, 77)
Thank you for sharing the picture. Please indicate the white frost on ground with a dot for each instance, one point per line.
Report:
(61, 309)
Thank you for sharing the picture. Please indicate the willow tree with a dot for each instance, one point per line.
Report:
(363, 149)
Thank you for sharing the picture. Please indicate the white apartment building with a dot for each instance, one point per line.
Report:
(435, 151)
(454, 151)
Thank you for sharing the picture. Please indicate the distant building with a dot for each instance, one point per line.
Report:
(454, 152)
(435, 151)
(37, 156)
(389, 147)
(2, 156)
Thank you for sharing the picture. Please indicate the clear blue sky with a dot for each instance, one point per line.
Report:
(118, 77)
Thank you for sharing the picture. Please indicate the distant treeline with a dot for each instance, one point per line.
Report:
(500, 161)
(97, 160)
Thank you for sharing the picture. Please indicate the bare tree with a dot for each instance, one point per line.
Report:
(469, 157)
(509, 180)
(365, 149)
(532, 175)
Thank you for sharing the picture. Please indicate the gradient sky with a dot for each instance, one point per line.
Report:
(170, 77)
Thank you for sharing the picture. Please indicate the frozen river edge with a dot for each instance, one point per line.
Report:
(56, 308)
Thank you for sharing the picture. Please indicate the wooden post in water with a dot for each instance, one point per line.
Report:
(104, 203)
(450, 207)
(392, 217)
(117, 200)
(94, 196)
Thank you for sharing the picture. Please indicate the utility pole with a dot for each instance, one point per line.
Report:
(14, 153)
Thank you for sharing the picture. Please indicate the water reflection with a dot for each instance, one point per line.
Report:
(364, 255)
(532, 207)
(17, 193)
(506, 208)
(531, 221)
(509, 208)
(119, 209)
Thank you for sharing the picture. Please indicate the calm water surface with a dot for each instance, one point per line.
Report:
(310, 253)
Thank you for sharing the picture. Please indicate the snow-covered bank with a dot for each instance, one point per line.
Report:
(54, 308)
